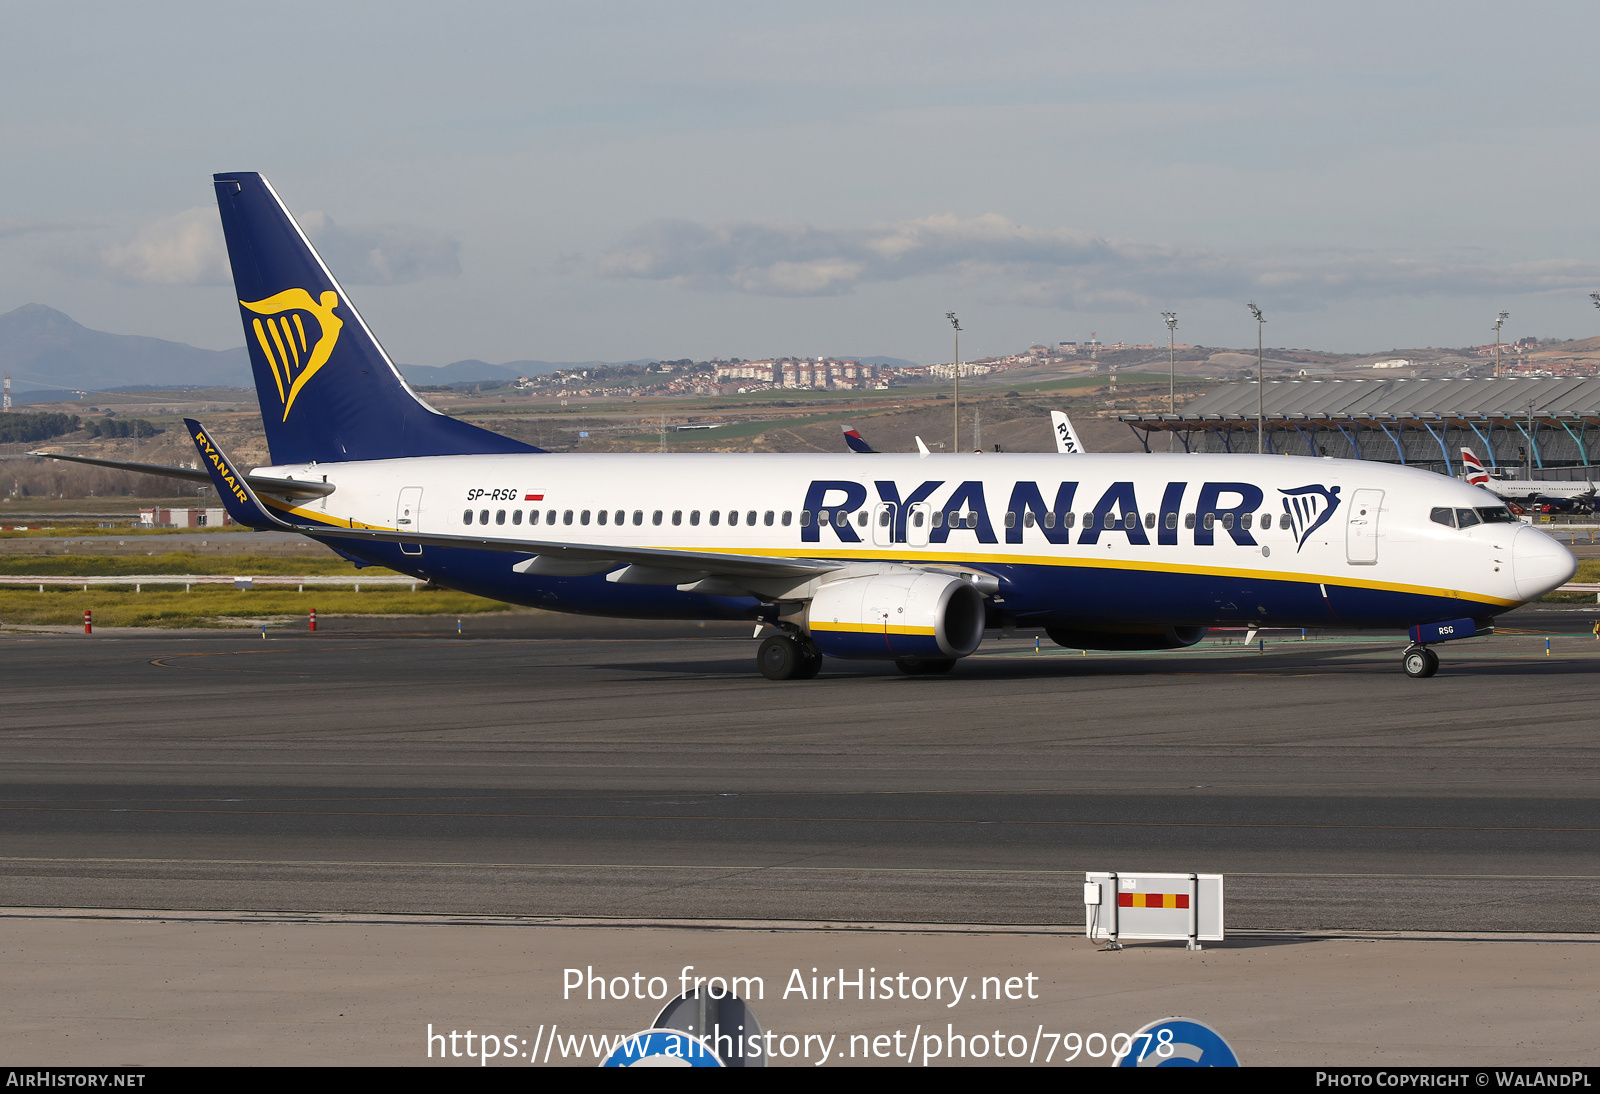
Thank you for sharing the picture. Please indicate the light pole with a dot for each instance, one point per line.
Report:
(1530, 440)
(1171, 318)
(1261, 384)
(955, 443)
(1498, 323)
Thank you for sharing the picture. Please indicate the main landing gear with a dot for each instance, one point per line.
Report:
(784, 658)
(1420, 662)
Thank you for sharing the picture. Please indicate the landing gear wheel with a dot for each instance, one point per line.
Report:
(780, 658)
(925, 666)
(1420, 663)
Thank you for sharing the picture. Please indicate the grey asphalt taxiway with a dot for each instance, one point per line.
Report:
(523, 770)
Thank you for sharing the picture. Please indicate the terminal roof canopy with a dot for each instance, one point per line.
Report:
(1505, 397)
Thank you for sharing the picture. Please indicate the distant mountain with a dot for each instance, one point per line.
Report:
(42, 348)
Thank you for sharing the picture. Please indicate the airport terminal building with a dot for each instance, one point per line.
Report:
(1511, 423)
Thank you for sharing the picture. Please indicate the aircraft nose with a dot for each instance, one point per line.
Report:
(1539, 563)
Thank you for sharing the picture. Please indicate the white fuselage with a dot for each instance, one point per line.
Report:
(1109, 538)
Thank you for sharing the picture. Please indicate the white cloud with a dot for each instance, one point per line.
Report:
(188, 249)
(385, 254)
(1063, 268)
(185, 249)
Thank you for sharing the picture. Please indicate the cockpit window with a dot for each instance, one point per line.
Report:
(1498, 514)
(1445, 517)
(1466, 518)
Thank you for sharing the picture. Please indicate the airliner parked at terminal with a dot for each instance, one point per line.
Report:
(1575, 494)
(905, 558)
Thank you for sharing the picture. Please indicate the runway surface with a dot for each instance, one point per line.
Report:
(509, 773)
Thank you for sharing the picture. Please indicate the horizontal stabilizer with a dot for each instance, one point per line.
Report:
(283, 488)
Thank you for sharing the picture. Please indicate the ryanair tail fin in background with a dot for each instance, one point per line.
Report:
(1473, 469)
(328, 391)
(1067, 441)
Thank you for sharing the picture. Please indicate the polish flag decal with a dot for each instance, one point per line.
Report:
(534, 497)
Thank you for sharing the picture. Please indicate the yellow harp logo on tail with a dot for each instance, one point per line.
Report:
(293, 353)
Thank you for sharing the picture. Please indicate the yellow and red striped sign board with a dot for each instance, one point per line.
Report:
(1152, 900)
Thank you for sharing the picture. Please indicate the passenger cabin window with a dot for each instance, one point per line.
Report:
(566, 517)
(1466, 518)
(716, 517)
(938, 520)
(1211, 520)
(805, 518)
(1245, 520)
(883, 519)
(1172, 521)
(516, 516)
(583, 517)
(500, 516)
(750, 518)
(1266, 520)
(550, 517)
(861, 518)
(621, 516)
(1027, 519)
(483, 516)
(677, 517)
(694, 517)
(533, 516)
(787, 516)
(1446, 517)
(822, 517)
(1129, 520)
(1011, 519)
(733, 517)
(466, 517)
(1188, 520)
(638, 517)
(1149, 520)
(916, 518)
(1067, 519)
(767, 518)
(1227, 520)
(600, 517)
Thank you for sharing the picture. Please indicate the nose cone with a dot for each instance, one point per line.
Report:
(1539, 563)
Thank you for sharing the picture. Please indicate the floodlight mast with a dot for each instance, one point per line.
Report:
(1171, 319)
(955, 440)
(1498, 323)
(1261, 384)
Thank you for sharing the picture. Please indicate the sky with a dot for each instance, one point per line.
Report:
(614, 181)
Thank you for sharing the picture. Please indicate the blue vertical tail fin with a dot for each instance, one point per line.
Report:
(328, 391)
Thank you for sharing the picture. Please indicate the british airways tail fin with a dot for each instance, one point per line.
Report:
(1475, 474)
(328, 391)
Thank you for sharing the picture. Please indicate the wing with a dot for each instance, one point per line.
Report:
(283, 488)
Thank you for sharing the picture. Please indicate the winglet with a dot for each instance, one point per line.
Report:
(855, 440)
(241, 501)
(922, 449)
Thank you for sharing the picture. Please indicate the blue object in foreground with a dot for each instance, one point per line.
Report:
(1178, 1042)
(662, 1048)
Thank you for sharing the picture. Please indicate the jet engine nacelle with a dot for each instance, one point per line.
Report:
(893, 615)
(1126, 638)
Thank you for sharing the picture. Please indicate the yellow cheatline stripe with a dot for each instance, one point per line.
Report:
(1114, 564)
(1025, 560)
(266, 348)
(869, 628)
(324, 518)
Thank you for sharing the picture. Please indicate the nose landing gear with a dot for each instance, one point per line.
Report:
(1420, 662)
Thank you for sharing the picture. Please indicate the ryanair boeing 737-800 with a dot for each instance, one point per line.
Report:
(903, 558)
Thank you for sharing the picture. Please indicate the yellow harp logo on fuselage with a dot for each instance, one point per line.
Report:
(281, 332)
